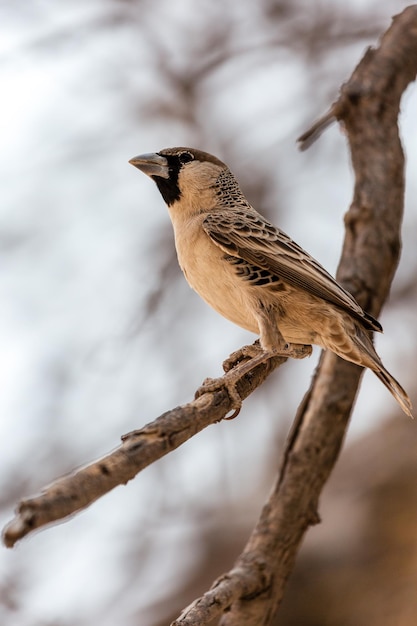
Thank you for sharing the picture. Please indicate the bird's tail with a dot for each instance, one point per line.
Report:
(363, 340)
(395, 388)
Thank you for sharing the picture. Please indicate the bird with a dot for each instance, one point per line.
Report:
(253, 273)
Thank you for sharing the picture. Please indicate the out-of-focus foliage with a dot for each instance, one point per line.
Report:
(99, 332)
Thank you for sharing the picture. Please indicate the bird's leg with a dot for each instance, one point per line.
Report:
(272, 344)
(271, 340)
(270, 335)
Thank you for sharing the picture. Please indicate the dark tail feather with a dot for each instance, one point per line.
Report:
(395, 388)
(364, 342)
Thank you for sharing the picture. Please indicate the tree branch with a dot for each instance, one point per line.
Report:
(140, 448)
(368, 106)
(251, 592)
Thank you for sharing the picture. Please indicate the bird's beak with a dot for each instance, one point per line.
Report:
(152, 164)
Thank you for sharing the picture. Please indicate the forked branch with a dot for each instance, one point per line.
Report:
(250, 593)
(368, 107)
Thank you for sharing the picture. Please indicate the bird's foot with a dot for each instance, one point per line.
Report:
(241, 355)
(233, 361)
(294, 350)
(255, 351)
(210, 385)
(242, 362)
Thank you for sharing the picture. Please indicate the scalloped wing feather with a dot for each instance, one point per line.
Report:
(246, 234)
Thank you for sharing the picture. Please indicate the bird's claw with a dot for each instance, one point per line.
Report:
(211, 385)
(293, 350)
(243, 354)
(296, 350)
(241, 361)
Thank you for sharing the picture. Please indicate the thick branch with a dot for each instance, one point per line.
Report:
(251, 592)
(369, 107)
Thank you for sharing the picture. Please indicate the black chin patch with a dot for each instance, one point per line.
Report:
(168, 187)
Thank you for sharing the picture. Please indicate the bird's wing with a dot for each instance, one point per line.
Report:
(247, 235)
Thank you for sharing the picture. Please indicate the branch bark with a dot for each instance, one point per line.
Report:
(140, 448)
(368, 106)
(250, 593)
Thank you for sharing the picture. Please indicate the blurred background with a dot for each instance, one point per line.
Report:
(99, 332)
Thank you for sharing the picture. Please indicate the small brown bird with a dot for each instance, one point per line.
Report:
(254, 274)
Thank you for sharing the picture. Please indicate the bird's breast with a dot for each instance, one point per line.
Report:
(210, 275)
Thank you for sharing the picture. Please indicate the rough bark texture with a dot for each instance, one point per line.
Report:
(250, 593)
(140, 448)
(368, 107)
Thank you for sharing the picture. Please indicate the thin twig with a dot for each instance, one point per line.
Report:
(140, 448)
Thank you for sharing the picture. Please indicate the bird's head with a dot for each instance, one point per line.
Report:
(183, 175)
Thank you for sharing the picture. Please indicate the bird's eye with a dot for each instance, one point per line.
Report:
(185, 157)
